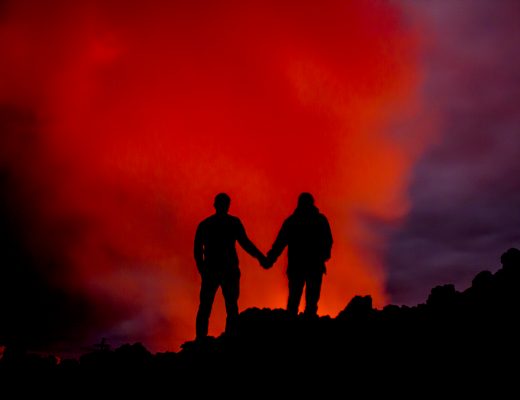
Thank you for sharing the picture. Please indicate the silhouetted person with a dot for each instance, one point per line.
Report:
(217, 262)
(307, 235)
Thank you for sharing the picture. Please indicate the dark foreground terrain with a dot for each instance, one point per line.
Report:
(469, 339)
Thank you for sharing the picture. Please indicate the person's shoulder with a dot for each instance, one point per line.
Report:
(234, 219)
(322, 217)
(206, 221)
(234, 223)
(290, 220)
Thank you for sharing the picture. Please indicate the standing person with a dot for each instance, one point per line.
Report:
(217, 262)
(308, 238)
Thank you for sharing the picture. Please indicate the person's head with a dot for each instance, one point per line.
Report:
(305, 201)
(222, 202)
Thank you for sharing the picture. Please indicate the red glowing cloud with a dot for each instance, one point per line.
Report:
(145, 111)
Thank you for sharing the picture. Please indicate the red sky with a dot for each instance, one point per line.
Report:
(142, 111)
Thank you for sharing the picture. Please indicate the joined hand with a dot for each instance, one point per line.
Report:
(266, 262)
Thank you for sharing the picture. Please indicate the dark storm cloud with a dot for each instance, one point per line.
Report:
(35, 309)
(465, 191)
(26, 300)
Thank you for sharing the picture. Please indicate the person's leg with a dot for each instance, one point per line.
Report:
(231, 292)
(296, 283)
(208, 289)
(312, 292)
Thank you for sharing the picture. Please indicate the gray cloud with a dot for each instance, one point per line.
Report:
(465, 191)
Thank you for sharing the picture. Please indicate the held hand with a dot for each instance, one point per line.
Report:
(266, 263)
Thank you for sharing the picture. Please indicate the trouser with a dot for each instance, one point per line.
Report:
(230, 285)
(312, 282)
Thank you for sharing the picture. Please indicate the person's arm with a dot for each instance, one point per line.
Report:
(247, 244)
(198, 249)
(279, 244)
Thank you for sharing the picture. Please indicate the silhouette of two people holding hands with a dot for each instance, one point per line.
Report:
(306, 234)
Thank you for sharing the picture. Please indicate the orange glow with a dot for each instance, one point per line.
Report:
(146, 111)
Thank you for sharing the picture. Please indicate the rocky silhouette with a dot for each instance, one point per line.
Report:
(468, 337)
